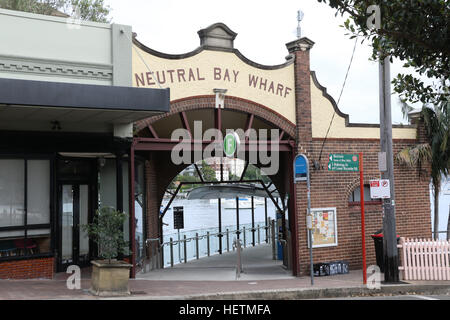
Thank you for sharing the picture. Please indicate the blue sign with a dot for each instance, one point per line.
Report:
(300, 169)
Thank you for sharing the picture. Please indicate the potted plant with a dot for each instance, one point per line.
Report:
(109, 276)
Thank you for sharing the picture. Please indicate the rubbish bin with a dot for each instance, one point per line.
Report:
(379, 248)
(279, 250)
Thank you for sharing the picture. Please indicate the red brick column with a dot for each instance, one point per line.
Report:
(152, 198)
(300, 49)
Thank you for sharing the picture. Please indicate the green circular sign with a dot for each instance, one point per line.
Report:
(230, 144)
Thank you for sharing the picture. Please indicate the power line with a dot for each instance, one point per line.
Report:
(340, 96)
(142, 59)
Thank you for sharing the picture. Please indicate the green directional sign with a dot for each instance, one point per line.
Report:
(343, 162)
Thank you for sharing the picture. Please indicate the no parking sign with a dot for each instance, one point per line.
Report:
(380, 189)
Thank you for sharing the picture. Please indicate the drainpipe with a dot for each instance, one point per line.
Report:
(132, 213)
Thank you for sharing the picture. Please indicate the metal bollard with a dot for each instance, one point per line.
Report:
(196, 246)
(228, 241)
(152, 258)
(171, 252)
(274, 253)
(185, 249)
(207, 243)
(259, 235)
(238, 245)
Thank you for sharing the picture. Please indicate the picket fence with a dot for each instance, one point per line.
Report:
(425, 259)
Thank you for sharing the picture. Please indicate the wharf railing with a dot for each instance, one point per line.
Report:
(155, 249)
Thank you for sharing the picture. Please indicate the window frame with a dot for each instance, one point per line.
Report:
(366, 202)
(27, 227)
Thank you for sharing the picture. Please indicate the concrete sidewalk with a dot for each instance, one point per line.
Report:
(348, 285)
(215, 278)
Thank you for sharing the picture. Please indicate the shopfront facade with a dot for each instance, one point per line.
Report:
(67, 109)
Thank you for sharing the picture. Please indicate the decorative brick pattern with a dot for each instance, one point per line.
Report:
(231, 103)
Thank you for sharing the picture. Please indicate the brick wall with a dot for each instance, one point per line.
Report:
(152, 199)
(41, 268)
(332, 189)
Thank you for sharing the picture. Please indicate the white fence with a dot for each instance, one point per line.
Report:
(424, 259)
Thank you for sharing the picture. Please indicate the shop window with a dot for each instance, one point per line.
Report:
(107, 189)
(24, 207)
(355, 196)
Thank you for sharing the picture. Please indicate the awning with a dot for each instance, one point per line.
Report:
(49, 101)
(229, 191)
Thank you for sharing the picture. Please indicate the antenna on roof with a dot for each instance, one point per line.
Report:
(300, 16)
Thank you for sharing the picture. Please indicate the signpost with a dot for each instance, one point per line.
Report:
(343, 162)
(301, 173)
(353, 163)
(178, 223)
(300, 169)
(178, 218)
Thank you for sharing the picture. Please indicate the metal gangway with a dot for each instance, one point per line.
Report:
(154, 255)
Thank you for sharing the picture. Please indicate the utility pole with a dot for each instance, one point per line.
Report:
(391, 273)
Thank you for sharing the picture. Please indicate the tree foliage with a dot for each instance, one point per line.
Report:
(435, 152)
(254, 173)
(208, 172)
(414, 31)
(90, 10)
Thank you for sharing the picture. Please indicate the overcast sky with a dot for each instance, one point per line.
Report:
(264, 27)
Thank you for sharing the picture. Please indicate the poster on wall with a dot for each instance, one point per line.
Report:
(324, 227)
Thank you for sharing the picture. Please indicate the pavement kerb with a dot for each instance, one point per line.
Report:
(313, 293)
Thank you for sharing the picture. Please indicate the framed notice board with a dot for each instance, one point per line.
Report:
(324, 227)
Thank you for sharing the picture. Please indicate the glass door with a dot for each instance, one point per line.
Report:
(74, 214)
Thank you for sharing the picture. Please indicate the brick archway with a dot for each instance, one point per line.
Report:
(155, 144)
(231, 103)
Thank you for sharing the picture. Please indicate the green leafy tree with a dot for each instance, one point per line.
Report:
(208, 172)
(254, 173)
(435, 152)
(106, 231)
(414, 31)
(186, 179)
(90, 10)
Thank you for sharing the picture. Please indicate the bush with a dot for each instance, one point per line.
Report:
(106, 231)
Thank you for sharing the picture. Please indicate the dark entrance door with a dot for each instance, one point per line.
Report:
(74, 213)
(76, 181)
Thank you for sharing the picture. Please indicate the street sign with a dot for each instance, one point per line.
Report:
(343, 162)
(380, 189)
(382, 161)
(178, 218)
(300, 169)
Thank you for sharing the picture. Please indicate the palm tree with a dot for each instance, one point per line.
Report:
(435, 152)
